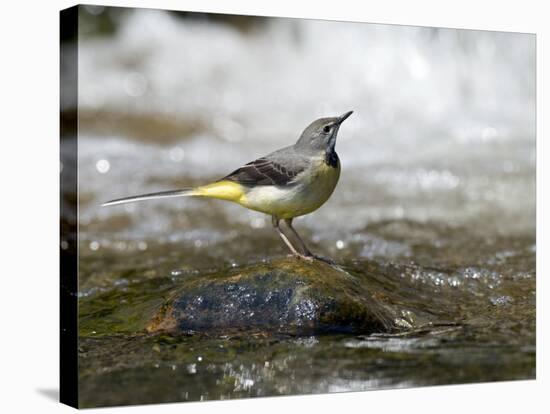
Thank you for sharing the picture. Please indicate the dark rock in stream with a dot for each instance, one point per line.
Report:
(282, 296)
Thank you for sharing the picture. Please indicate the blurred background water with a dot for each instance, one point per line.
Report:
(438, 159)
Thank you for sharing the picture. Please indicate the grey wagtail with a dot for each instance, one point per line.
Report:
(287, 183)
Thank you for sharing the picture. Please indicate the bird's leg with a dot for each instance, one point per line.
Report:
(306, 251)
(275, 222)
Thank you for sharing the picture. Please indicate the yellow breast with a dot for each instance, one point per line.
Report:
(312, 189)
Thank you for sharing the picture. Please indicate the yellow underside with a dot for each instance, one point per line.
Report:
(306, 196)
(223, 190)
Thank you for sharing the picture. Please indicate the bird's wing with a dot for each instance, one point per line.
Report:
(268, 171)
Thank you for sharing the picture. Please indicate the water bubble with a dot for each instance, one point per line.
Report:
(340, 244)
(64, 244)
(403, 323)
(89, 292)
(103, 166)
(135, 84)
(257, 223)
(142, 245)
(198, 243)
(177, 154)
(94, 245)
(248, 383)
(501, 300)
(454, 282)
(199, 358)
(121, 245)
(308, 342)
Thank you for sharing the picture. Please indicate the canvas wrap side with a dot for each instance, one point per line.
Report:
(68, 386)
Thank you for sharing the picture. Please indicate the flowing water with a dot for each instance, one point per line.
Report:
(435, 209)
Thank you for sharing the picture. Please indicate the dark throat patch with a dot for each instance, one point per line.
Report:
(331, 158)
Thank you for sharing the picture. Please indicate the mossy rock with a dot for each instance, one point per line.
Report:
(282, 296)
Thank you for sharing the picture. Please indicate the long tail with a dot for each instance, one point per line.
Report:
(151, 196)
(223, 190)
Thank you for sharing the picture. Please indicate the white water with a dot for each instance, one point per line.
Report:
(443, 128)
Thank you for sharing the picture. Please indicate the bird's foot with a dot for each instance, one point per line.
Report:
(308, 258)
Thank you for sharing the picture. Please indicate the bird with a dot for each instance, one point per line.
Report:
(290, 182)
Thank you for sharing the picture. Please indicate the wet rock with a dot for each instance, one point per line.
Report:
(283, 296)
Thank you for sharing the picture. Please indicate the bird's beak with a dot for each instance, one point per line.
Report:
(344, 117)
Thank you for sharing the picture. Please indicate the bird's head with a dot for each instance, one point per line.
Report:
(321, 134)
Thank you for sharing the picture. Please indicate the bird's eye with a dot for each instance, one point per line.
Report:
(326, 129)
